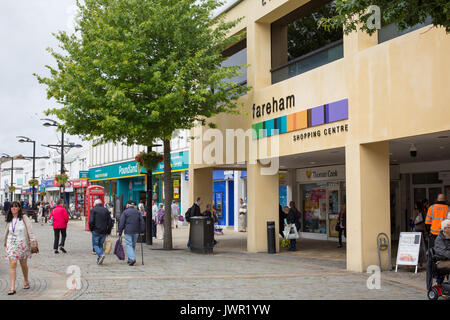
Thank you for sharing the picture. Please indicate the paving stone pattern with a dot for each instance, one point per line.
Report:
(230, 273)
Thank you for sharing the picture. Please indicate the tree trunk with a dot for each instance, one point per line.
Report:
(168, 193)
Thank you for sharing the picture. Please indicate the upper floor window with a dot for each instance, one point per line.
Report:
(391, 31)
(299, 44)
(237, 55)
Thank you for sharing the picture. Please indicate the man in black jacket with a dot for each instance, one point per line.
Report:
(194, 212)
(133, 224)
(100, 224)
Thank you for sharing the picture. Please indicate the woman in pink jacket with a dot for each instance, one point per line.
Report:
(60, 219)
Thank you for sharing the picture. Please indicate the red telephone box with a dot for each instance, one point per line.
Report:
(92, 193)
(79, 188)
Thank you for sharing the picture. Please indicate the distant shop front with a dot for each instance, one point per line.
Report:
(129, 181)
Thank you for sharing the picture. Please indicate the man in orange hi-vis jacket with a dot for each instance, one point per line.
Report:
(437, 213)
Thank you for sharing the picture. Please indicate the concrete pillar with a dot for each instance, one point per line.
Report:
(184, 196)
(259, 55)
(262, 206)
(368, 209)
(201, 185)
(357, 41)
(237, 204)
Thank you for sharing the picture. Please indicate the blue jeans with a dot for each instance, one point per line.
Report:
(97, 242)
(130, 244)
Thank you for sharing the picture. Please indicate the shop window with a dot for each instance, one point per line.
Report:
(299, 44)
(315, 208)
(237, 55)
(391, 31)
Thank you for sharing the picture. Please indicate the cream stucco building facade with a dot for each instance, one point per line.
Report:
(391, 92)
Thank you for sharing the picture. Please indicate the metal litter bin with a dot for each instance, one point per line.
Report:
(271, 237)
(201, 234)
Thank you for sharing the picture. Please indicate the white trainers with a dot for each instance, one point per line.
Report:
(101, 259)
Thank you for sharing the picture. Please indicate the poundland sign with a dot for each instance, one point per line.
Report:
(116, 171)
(179, 162)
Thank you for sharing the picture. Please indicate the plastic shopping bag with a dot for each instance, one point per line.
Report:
(292, 233)
(118, 250)
(107, 246)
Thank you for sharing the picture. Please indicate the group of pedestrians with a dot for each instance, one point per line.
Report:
(131, 224)
(429, 220)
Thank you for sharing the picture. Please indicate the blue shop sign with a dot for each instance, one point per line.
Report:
(47, 183)
(223, 175)
(179, 162)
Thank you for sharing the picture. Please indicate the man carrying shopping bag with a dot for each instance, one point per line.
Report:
(133, 224)
(100, 224)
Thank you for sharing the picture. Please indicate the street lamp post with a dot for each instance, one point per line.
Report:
(53, 123)
(148, 226)
(28, 140)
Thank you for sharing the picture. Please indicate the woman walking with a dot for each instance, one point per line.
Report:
(160, 223)
(60, 220)
(18, 240)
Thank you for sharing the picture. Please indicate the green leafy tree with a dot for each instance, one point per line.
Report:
(137, 70)
(406, 13)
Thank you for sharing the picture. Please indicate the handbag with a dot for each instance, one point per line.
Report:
(181, 218)
(118, 249)
(34, 247)
(337, 227)
(419, 219)
(107, 246)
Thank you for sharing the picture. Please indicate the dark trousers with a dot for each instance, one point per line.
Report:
(63, 238)
(293, 244)
(431, 240)
(342, 230)
(153, 229)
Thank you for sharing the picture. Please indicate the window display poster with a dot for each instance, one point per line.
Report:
(408, 248)
(176, 189)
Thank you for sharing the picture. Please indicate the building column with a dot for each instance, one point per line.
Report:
(368, 208)
(184, 194)
(201, 185)
(259, 55)
(237, 204)
(262, 206)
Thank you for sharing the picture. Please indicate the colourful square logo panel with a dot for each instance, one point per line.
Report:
(312, 117)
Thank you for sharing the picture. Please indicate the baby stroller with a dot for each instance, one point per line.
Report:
(439, 270)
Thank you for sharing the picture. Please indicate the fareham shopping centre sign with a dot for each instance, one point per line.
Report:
(310, 118)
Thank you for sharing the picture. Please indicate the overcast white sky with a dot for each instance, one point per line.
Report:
(26, 28)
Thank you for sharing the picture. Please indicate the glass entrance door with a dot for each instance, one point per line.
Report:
(429, 192)
(333, 209)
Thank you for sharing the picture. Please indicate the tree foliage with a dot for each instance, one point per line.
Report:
(406, 13)
(136, 70)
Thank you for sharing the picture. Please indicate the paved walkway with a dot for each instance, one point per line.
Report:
(315, 272)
